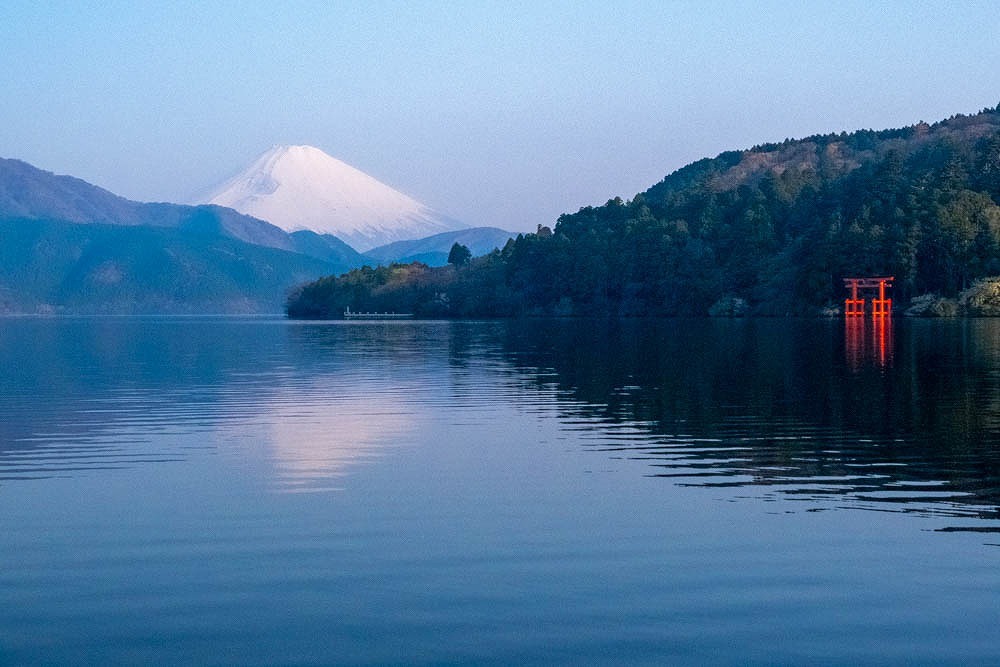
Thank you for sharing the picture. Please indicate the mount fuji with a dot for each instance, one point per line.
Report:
(303, 188)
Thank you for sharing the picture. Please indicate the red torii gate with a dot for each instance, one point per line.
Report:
(854, 305)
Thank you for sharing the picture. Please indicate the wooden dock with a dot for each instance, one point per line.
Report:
(353, 315)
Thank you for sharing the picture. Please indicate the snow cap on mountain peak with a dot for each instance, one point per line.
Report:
(299, 187)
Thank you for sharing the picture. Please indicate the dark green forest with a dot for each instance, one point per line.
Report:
(767, 231)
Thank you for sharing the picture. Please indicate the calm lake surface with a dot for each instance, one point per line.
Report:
(254, 491)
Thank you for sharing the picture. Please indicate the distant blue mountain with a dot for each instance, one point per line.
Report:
(69, 246)
(49, 266)
(326, 247)
(433, 250)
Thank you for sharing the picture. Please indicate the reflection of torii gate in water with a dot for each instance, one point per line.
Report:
(854, 305)
(881, 345)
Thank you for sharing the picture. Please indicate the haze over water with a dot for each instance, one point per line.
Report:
(250, 491)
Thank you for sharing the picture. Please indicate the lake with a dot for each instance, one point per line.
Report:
(258, 491)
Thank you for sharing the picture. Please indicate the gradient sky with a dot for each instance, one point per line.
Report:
(503, 114)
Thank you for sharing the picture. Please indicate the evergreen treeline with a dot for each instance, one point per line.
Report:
(772, 230)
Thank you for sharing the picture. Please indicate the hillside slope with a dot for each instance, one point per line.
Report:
(69, 246)
(27, 192)
(770, 230)
(49, 266)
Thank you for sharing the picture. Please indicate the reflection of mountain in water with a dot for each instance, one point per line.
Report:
(788, 407)
(90, 394)
(313, 442)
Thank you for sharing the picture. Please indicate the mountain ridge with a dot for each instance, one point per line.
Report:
(433, 250)
(67, 246)
(59, 267)
(31, 193)
(27, 192)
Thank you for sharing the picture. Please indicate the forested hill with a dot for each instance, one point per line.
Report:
(772, 230)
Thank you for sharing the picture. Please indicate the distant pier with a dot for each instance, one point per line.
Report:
(353, 315)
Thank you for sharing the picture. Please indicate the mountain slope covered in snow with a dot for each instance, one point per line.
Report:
(303, 188)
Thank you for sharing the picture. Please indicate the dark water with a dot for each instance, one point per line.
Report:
(735, 492)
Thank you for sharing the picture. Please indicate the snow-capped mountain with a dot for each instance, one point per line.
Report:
(301, 187)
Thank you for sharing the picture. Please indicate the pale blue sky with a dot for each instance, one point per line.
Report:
(503, 114)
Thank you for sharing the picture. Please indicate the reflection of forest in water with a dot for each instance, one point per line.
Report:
(905, 415)
(906, 412)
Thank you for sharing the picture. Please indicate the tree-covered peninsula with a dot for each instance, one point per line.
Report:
(771, 231)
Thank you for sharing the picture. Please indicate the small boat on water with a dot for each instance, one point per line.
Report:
(353, 315)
